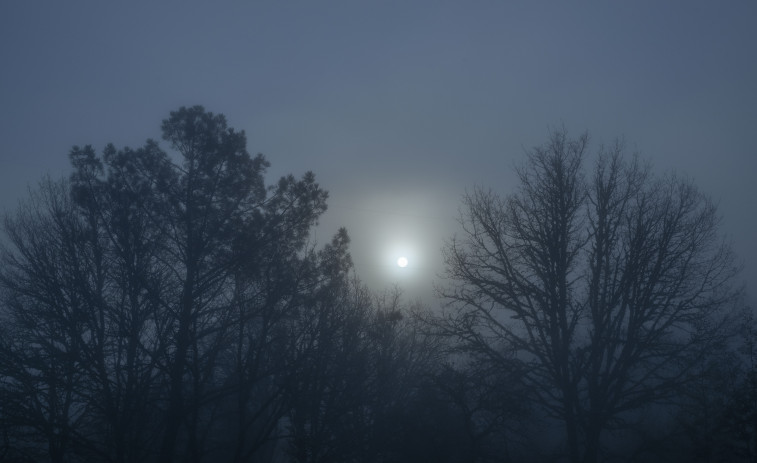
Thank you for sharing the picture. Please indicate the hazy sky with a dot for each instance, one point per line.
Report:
(396, 106)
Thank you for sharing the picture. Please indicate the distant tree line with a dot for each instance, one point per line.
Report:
(171, 306)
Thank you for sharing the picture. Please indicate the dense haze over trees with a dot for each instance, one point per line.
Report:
(171, 306)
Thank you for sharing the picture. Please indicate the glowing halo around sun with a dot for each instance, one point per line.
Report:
(400, 261)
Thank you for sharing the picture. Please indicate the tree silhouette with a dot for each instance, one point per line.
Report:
(609, 290)
(123, 286)
(43, 348)
(164, 305)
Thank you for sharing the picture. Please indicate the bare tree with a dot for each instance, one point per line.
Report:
(609, 290)
(44, 292)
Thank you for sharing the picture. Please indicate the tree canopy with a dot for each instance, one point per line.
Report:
(169, 304)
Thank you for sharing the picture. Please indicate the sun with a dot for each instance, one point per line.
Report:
(402, 262)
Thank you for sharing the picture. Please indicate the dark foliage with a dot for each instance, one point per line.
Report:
(170, 306)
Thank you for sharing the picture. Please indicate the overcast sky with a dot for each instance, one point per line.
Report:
(397, 107)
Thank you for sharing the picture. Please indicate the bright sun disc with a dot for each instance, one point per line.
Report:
(402, 262)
